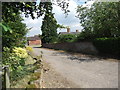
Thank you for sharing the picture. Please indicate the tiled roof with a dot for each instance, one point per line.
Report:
(69, 32)
(36, 37)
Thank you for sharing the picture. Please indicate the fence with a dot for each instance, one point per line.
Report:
(0, 79)
(6, 77)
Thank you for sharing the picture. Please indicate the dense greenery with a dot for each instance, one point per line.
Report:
(67, 38)
(15, 59)
(85, 36)
(49, 25)
(108, 45)
(11, 16)
(10, 9)
(14, 31)
(15, 37)
(100, 20)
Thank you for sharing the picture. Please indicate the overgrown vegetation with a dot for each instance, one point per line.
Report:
(100, 20)
(67, 38)
(101, 24)
(108, 45)
(14, 31)
(15, 59)
(21, 65)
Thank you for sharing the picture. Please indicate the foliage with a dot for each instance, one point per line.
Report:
(11, 9)
(100, 20)
(27, 76)
(108, 45)
(49, 25)
(16, 35)
(14, 31)
(85, 36)
(5, 27)
(67, 38)
(29, 49)
(15, 59)
(11, 18)
(61, 26)
(20, 52)
(64, 4)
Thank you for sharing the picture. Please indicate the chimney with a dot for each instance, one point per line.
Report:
(77, 31)
(68, 30)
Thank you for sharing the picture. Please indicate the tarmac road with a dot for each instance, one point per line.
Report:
(64, 70)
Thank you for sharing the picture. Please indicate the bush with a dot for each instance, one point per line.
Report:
(85, 36)
(29, 49)
(67, 38)
(20, 52)
(108, 45)
(15, 59)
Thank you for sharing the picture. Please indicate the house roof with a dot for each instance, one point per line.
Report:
(36, 37)
(69, 32)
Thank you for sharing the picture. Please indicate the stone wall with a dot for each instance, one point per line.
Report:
(82, 47)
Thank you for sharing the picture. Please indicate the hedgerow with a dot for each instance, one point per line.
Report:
(108, 45)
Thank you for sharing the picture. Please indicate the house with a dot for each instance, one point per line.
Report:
(35, 40)
(68, 32)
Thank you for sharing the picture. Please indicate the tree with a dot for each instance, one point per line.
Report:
(49, 25)
(11, 18)
(101, 20)
(15, 37)
(61, 26)
(12, 10)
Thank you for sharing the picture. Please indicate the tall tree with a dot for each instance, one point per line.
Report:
(15, 36)
(11, 18)
(49, 25)
(101, 20)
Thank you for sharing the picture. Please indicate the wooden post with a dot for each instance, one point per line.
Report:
(0, 80)
(6, 77)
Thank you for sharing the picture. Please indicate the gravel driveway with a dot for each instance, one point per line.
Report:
(79, 70)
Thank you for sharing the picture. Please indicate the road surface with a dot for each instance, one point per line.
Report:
(71, 70)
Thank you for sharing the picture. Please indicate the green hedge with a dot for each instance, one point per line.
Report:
(67, 38)
(108, 45)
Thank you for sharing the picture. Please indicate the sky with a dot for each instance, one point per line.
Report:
(70, 20)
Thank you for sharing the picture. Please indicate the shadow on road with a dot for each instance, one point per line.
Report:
(37, 47)
(76, 56)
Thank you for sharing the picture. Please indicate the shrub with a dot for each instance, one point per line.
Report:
(85, 36)
(15, 59)
(20, 52)
(29, 49)
(108, 45)
(67, 38)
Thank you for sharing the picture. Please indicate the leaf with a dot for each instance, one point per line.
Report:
(28, 5)
(5, 28)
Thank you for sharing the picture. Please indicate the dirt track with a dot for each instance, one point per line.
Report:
(64, 70)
